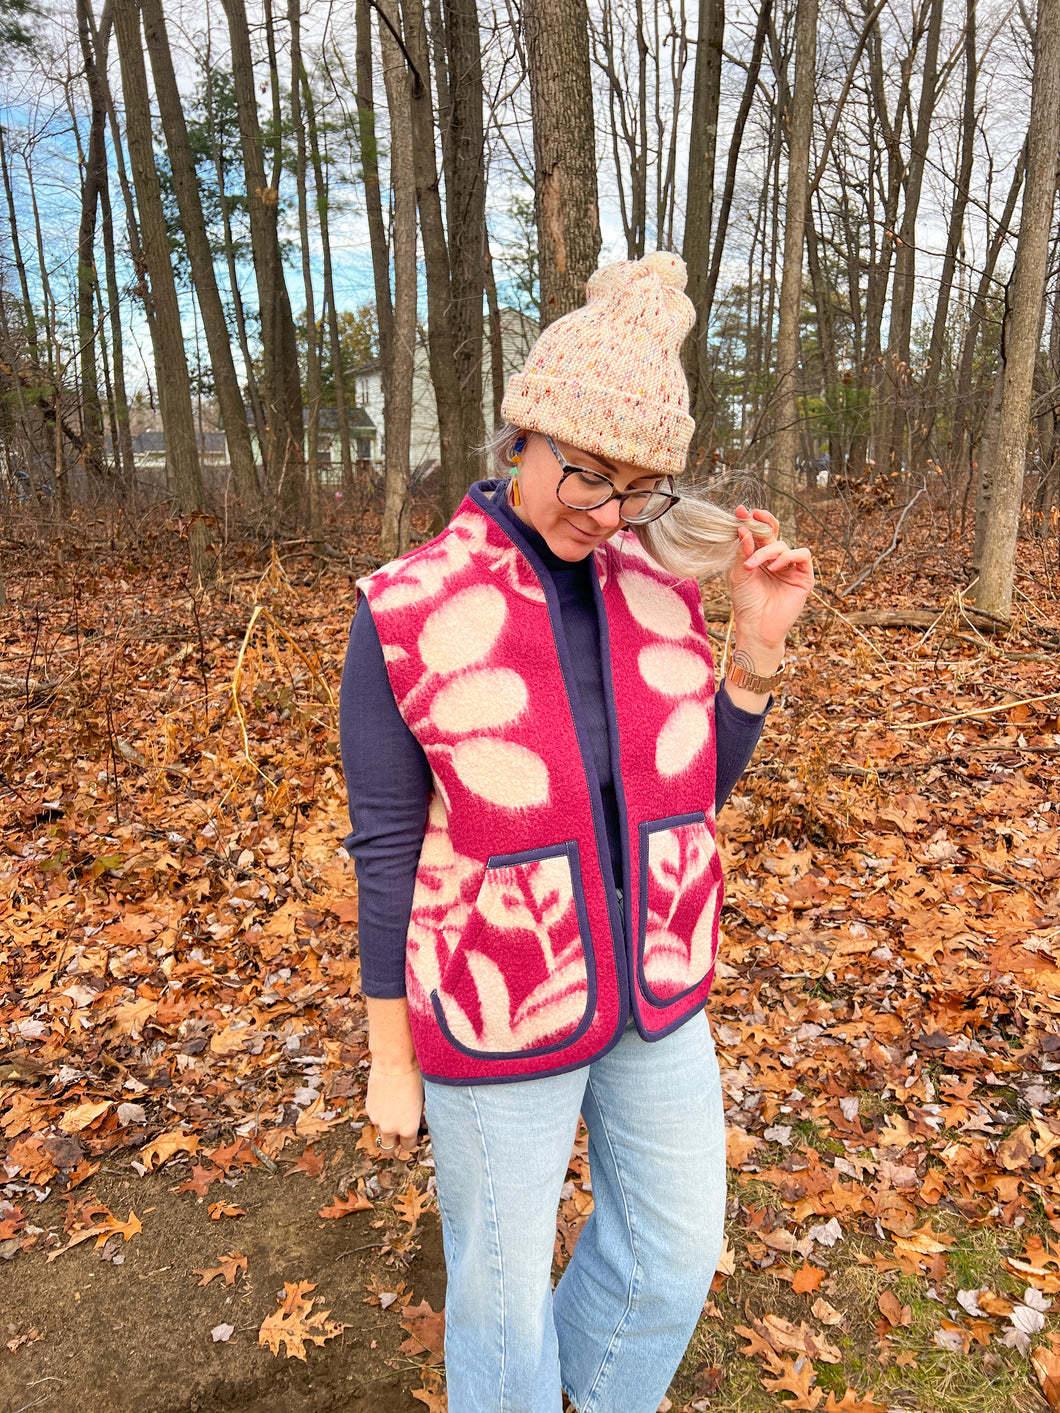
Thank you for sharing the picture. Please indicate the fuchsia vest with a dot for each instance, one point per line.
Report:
(519, 961)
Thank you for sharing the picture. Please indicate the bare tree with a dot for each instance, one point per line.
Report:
(568, 219)
(174, 389)
(786, 413)
(1005, 455)
(395, 534)
(281, 382)
(200, 256)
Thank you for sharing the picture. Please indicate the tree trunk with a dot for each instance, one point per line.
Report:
(1006, 456)
(782, 480)
(396, 530)
(95, 167)
(316, 517)
(280, 382)
(174, 389)
(441, 343)
(369, 149)
(699, 205)
(568, 220)
(122, 435)
(954, 240)
(964, 438)
(465, 202)
(334, 343)
(200, 256)
(903, 288)
(28, 316)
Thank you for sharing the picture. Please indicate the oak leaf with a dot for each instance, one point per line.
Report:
(1046, 1364)
(893, 1311)
(228, 1266)
(160, 1149)
(353, 1202)
(436, 1402)
(426, 1329)
(74, 1120)
(311, 1163)
(217, 1210)
(410, 1204)
(797, 1378)
(295, 1322)
(200, 1181)
(853, 1403)
(807, 1278)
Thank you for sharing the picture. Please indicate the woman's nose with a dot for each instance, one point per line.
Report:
(609, 515)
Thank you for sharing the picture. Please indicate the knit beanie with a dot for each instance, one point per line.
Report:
(607, 378)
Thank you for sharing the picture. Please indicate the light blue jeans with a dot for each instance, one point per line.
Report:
(614, 1331)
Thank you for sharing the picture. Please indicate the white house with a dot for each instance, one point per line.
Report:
(518, 333)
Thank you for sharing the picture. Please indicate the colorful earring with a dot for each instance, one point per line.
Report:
(514, 498)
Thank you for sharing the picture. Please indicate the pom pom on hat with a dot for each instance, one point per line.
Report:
(607, 378)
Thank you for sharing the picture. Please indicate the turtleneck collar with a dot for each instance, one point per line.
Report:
(525, 535)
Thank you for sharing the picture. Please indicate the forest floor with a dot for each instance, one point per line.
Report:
(193, 1211)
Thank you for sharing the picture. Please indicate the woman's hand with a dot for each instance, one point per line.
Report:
(395, 1085)
(395, 1107)
(769, 584)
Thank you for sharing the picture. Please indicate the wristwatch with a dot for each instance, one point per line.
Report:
(739, 676)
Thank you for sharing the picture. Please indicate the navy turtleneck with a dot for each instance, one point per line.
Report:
(389, 782)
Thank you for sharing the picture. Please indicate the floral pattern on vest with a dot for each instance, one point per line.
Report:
(521, 957)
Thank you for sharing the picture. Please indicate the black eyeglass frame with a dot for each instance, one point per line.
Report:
(570, 469)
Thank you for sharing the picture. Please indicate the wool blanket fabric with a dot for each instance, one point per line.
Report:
(521, 959)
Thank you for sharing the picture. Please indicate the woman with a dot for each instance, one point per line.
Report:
(534, 753)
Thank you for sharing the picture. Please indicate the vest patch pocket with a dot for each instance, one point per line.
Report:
(521, 980)
(680, 902)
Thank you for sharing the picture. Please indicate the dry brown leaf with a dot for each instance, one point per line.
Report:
(798, 1378)
(436, 1402)
(410, 1204)
(159, 1150)
(353, 1202)
(295, 1322)
(217, 1210)
(1046, 1364)
(827, 1314)
(852, 1402)
(228, 1266)
(807, 1278)
(426, 1329)
(893, 1311)
(74, 1120)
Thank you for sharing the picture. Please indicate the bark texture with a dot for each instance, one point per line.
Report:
(1004, 459)
(786, 421)
(568, 218)
(200, 256)
(174, 388)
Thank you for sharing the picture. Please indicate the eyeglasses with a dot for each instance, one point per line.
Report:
(582, 489)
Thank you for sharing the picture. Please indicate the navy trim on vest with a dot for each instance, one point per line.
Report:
(596, 804)
(572, 853)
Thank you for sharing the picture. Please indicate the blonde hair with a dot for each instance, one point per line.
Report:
(692, 541)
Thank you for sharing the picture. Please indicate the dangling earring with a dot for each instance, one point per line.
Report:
(514, 498)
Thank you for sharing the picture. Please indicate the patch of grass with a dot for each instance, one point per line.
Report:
(988, 1379)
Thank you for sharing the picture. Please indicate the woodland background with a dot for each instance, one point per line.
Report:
(865, 197)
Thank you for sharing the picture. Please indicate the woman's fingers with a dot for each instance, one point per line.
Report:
(777, 556)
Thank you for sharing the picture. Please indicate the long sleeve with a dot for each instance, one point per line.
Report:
(388, 782)
(736, 733)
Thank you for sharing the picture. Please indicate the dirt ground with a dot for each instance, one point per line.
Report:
(134, 1332)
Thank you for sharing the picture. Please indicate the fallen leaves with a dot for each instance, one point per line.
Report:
(357, 1201)
(101, 1231)
(295, 1323)
(426, 1329)
(227, 1266)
